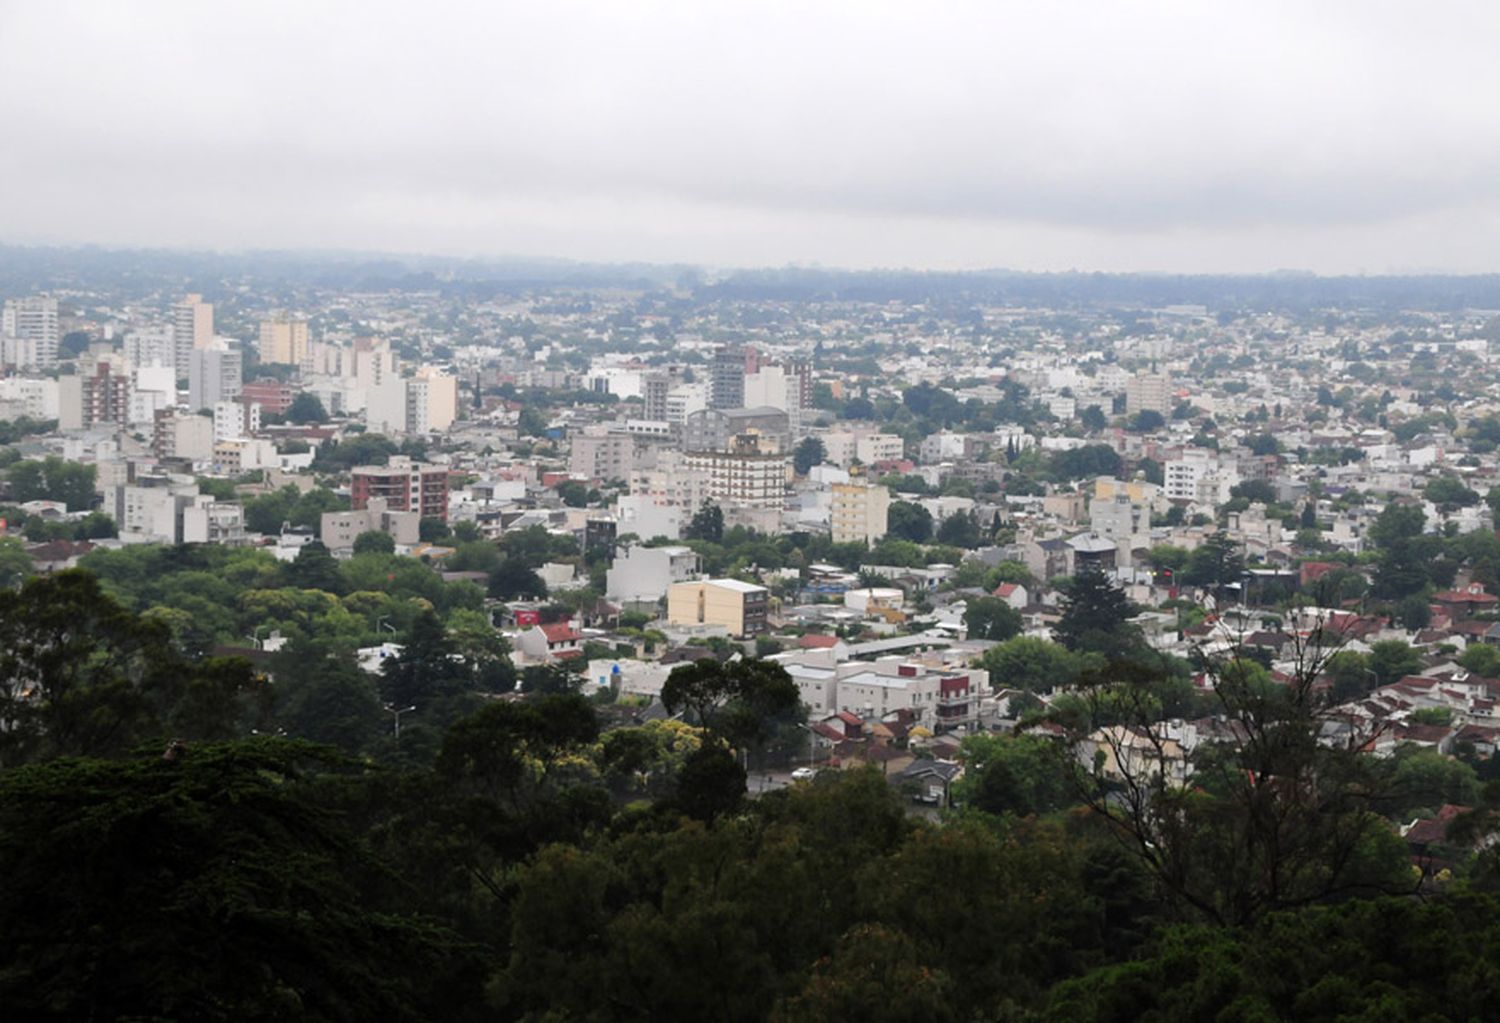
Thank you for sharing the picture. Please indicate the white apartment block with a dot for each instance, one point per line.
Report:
(1181, 475)
(941, 697)
(682, 401)
(425, 403)
(644, 574)
(34, 397)
(215, 374)
(30, 328)
(749, 480)
(235, 419)
(152, 347)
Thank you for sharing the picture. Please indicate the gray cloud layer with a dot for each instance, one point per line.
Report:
(1210, 136)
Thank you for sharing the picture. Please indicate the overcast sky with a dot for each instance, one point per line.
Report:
(1201, 136)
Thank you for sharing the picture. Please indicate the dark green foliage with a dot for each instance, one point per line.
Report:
(431, 530)
(1020, 775)
(206, 884)
(960, 530)
(573, 493)
(991, 618)
(306, 408)
(1388, 959)
(1214, 564)
(712, 783)
(736, 701)
(511, 579)
(374, 542)
(359, 449)
(707, 524)
(1096, 617)
(322, 696)
(1086, 462)
(429, 674)
(314, 568)
(267, 513)
(808, 453)
(53, 479)
(81, 676)
(1448, 493)
(908, 521)
(12, 430)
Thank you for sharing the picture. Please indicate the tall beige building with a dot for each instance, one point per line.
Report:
(283, 340)
(859, 512)
(192, 330)
(1149, 392)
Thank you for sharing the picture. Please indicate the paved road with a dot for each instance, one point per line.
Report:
(758, 782)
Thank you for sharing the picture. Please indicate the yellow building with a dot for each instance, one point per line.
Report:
(1106, 488)
(283, 340)
(859, 512)
(739, 607)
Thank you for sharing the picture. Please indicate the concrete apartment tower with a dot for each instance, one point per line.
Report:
(192, 328)
(29, 327)
(283, 340)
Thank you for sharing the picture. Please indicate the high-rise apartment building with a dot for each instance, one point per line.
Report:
(30, 332)
(97, 397)
(283, 340)
(236, 418)
(727, 383)
(425, 403)
(743, 475)
(1149, 392)
(404, 485)
(215, 374)
(655, 386)
(152, 348)
(192, 328)
(859, 513)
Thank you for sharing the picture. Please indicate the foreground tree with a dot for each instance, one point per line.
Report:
(205, 884)
(1096, 617)
(737, 702)
(1280, 811)
(82, 676)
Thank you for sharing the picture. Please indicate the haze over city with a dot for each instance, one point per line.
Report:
(1335, 137)
(754, 513)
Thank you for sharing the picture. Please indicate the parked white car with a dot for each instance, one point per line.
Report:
(803, 774)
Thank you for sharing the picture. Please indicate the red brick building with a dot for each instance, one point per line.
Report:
(272, 396)
(405, 485)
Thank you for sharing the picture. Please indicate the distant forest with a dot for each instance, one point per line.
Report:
(27, 269)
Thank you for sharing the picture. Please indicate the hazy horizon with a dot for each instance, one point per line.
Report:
(1155, 137)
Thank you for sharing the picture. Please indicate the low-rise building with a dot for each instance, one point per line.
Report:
(737, 606)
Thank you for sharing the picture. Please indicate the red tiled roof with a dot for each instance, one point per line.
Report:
(1464, 597)
(817, 642)
(559, 632)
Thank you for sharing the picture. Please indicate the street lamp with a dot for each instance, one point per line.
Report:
(396, 713)
(383, 621)
(812, 739)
